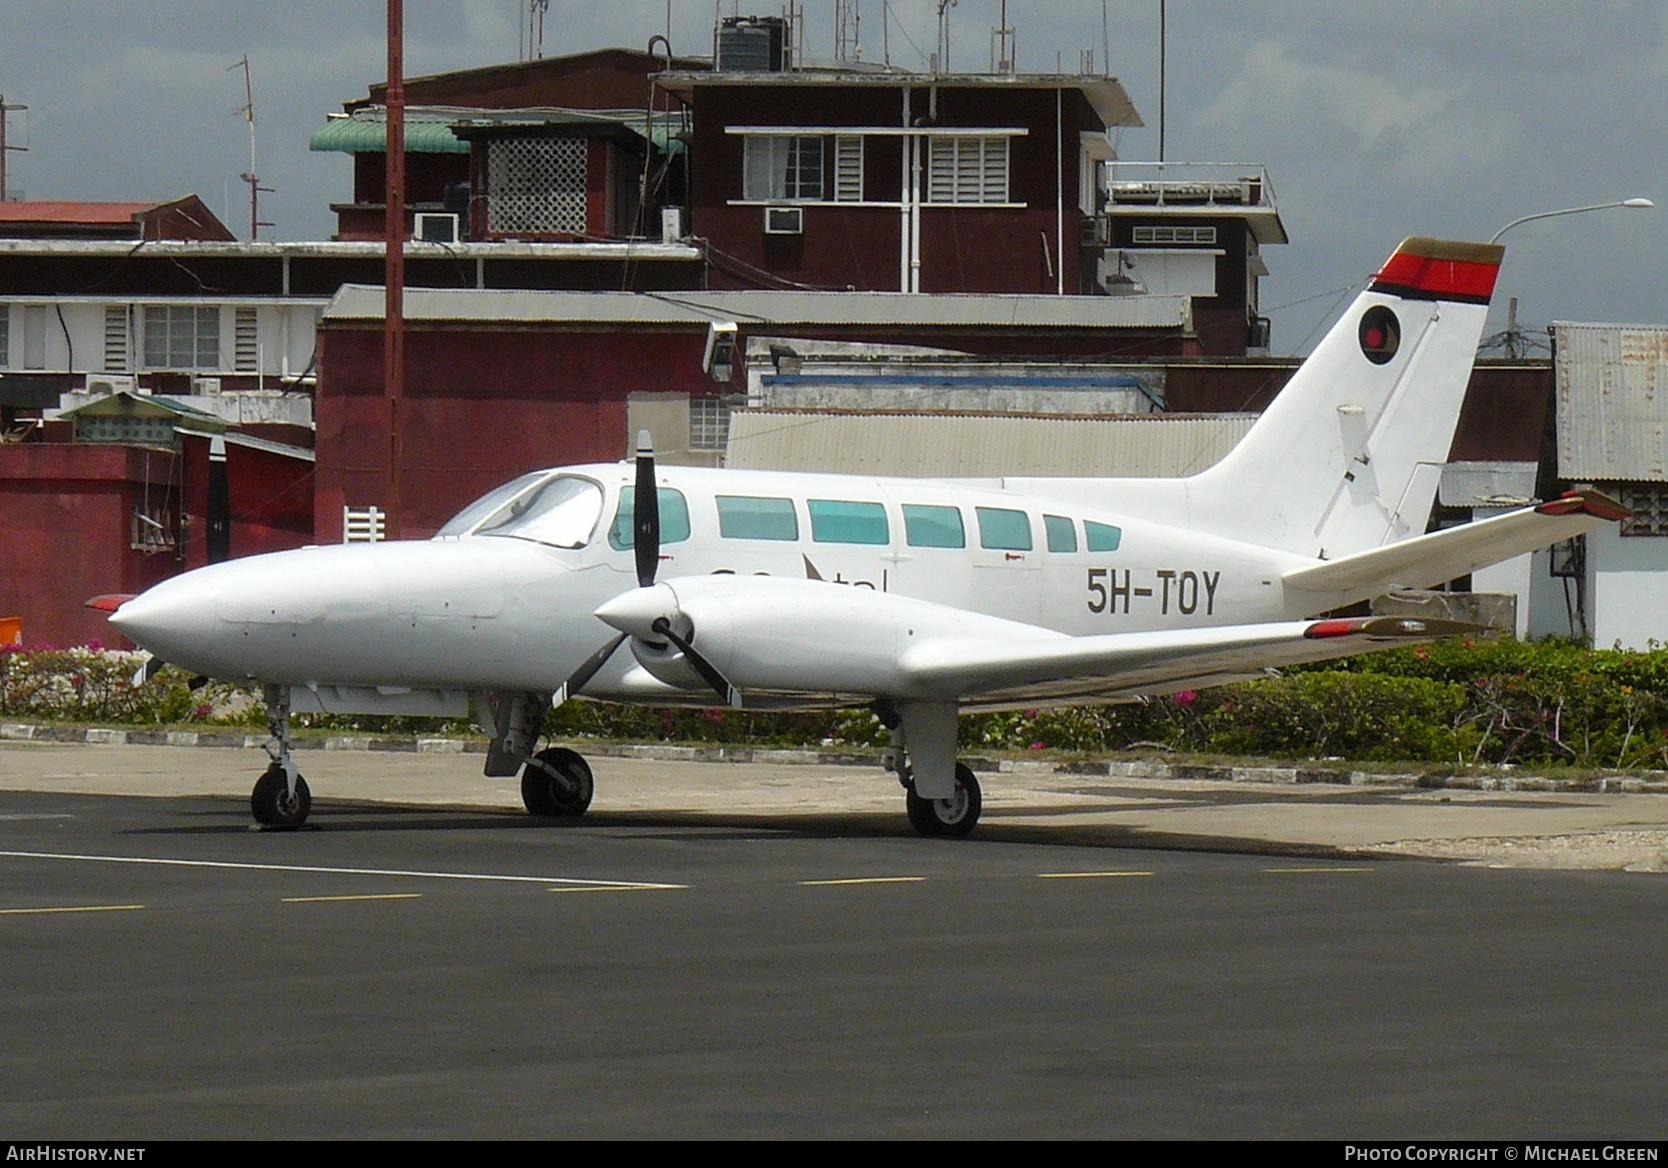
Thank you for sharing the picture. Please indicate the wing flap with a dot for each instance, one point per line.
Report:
(1131, 664)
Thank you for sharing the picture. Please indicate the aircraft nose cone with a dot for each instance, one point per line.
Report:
(636, 611)
(166, 619)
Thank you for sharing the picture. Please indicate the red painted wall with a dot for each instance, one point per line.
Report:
(65, 530)
(963, 249)
(271, 500)
(481, 407)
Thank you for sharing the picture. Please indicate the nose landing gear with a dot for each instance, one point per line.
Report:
(280, 798)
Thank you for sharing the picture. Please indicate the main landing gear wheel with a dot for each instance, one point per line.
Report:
(954, 816)
(556, 783)
(272, 803)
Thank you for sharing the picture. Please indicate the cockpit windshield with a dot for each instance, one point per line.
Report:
(562, 511)
(466, 520)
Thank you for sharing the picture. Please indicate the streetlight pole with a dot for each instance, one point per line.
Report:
(1633, 203)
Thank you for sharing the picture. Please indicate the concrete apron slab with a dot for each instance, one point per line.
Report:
(1612, 829)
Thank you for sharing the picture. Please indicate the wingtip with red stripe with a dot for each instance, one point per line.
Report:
(1585, 502)
(109, 601)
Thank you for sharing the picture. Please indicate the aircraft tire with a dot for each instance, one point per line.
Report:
(270, 801)
(955, 816)
(567, 797)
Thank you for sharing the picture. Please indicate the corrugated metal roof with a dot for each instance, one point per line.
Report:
(47, 211)
(366, 135)
(429, 129)
(856, 309)
(978, 446)
(1486, 484)
(1612, 387)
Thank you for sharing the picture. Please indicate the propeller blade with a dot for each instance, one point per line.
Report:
(645, 516)
(709, 672)
(587, 670)
(147, 671)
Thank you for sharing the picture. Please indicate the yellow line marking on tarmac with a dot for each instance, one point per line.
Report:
(1314, 870)
(358, 896)
(863, 880)
(226, 864)
(1085, 875)
(18, 912)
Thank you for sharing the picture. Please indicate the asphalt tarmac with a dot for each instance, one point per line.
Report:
(768, 951)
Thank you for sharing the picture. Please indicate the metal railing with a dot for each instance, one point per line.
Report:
(1188, 184)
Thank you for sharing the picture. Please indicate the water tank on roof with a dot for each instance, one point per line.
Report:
(753, 44)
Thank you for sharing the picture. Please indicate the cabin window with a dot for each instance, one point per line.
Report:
(838, 521)
(1004, 530)
(464, 521)
(1101, 537)
(1062, 533)
(5, 335)
(740, 517)
(674, 519)
(926, 525)
(562, 512)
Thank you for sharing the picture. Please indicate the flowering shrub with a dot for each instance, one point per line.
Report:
(90, 684)
(1452, 703)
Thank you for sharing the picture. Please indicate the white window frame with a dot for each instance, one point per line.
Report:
(850, 144)
(848, 168)
(775, 168)
(967, 171)
(164, 347)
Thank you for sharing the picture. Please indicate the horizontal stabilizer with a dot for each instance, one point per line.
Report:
(1428, 560)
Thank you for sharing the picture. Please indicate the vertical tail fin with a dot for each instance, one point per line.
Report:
(1348, 456)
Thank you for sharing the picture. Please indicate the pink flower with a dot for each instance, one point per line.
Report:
(1187, 697)
(1038, 746)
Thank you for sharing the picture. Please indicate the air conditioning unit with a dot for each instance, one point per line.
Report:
(435, 228)
(784, 220)
(105, 384)
(206, 385)
(671, 224)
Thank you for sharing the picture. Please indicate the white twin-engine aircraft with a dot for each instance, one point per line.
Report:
(917, 598)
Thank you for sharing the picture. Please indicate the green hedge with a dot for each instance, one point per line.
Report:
(1451, 703)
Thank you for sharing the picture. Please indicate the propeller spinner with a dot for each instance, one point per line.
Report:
(645, 528)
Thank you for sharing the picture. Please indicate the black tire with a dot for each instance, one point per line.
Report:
(270, 801)
(564, 795)
(955, 816)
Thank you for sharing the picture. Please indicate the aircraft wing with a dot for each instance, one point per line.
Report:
(775, 639)
(1428, 560)
(1127, 665)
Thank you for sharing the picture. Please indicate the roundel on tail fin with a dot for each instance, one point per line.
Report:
(1380, 333)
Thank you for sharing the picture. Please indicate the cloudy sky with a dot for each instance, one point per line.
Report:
(1431, 117)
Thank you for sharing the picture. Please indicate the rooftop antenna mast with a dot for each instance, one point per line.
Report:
(535, 28)
(848, 31)
(941, 59)
(6, 147)
(252, 178)
(1002, 44)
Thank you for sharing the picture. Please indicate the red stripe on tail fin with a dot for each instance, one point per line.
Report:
(1441, 269)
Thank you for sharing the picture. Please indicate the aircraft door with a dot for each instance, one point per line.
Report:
(1007, 564)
